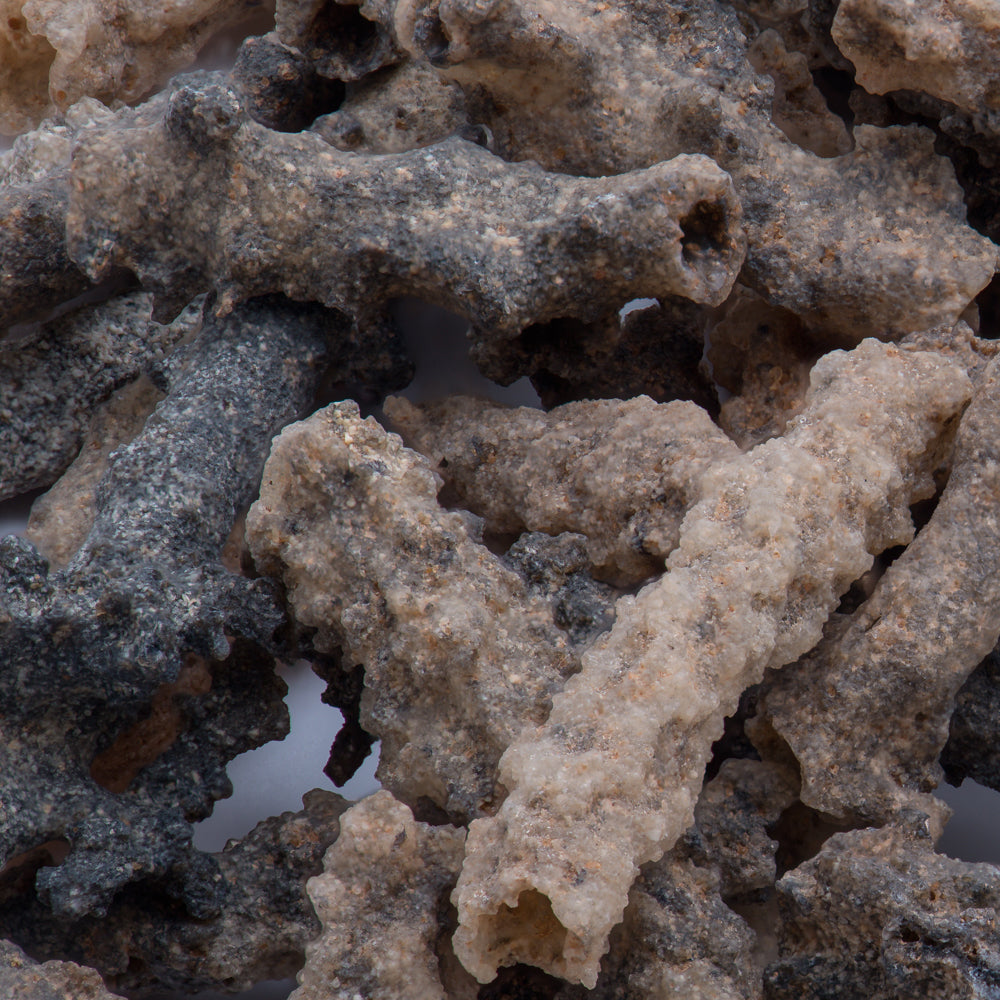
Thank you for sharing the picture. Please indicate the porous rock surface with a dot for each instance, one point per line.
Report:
(388, 569)
(665, 213)
(763, 558)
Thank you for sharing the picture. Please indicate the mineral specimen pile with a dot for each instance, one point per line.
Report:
(610, 780)
(663, 677)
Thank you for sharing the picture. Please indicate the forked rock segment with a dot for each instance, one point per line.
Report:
(622, 473)
(610, 780)
(458, 654)
(508, 245)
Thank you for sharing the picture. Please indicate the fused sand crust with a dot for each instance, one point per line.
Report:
(613, 774)
(695, 154)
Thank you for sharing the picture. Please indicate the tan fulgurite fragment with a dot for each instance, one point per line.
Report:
(622, 473)
(947, 48)
(385, 882)
(610, 780)
(21, 978)
(933, 616)
(870, 242)
(53, 52)
(458, 654)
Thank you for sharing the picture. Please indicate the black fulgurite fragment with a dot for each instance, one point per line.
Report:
(84, 651)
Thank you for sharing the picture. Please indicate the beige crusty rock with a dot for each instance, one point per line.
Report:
(622, 473)
(21, 978)
(380, 898)
(864, 244)
(610, 780)
(762, 355)
(947, 48)
(798, 107)
(458, 654)
(933, 616)
(342, 39)
(401, 108)
(54, 52)
(678, 939)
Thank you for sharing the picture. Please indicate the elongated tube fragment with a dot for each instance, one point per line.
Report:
(623, 473)
(458, 653)
(933, 616)
(610, 780)
(444, 223)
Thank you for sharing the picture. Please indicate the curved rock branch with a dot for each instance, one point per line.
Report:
(86, 648)
(933, 616)
(610, 780)
(458, 654)
(870, 243)
(509, 245)
(623, 474)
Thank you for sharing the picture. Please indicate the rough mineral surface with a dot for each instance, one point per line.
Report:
(664, 213)
(23, 979)
(385, 882)
(53, 52)
(623, 474)
(86, 648)
(260, 930)
(52, 379)
(294, 214)
(946, 48)
(611, 779)
(35, 267)
(854, 243)
(914, 642)
(388, 570)
(878, 914)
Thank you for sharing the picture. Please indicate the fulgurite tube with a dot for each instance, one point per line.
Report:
(609, 782)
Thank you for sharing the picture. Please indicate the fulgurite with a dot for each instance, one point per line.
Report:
(610, 780)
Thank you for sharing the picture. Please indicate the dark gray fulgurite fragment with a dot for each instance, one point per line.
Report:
(84, 650)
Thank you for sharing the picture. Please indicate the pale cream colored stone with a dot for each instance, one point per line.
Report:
(947, 48)
(458, 654)
(54, 52)
(385, 879)
(622, 473)
(610, 780)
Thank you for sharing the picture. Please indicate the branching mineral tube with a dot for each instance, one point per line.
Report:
(610, 781)
(854, 244)
(507, 244)
(622, 473)
(458, 655)
(933, 616)
(385, 881)
(944, 48)
(84, 649)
